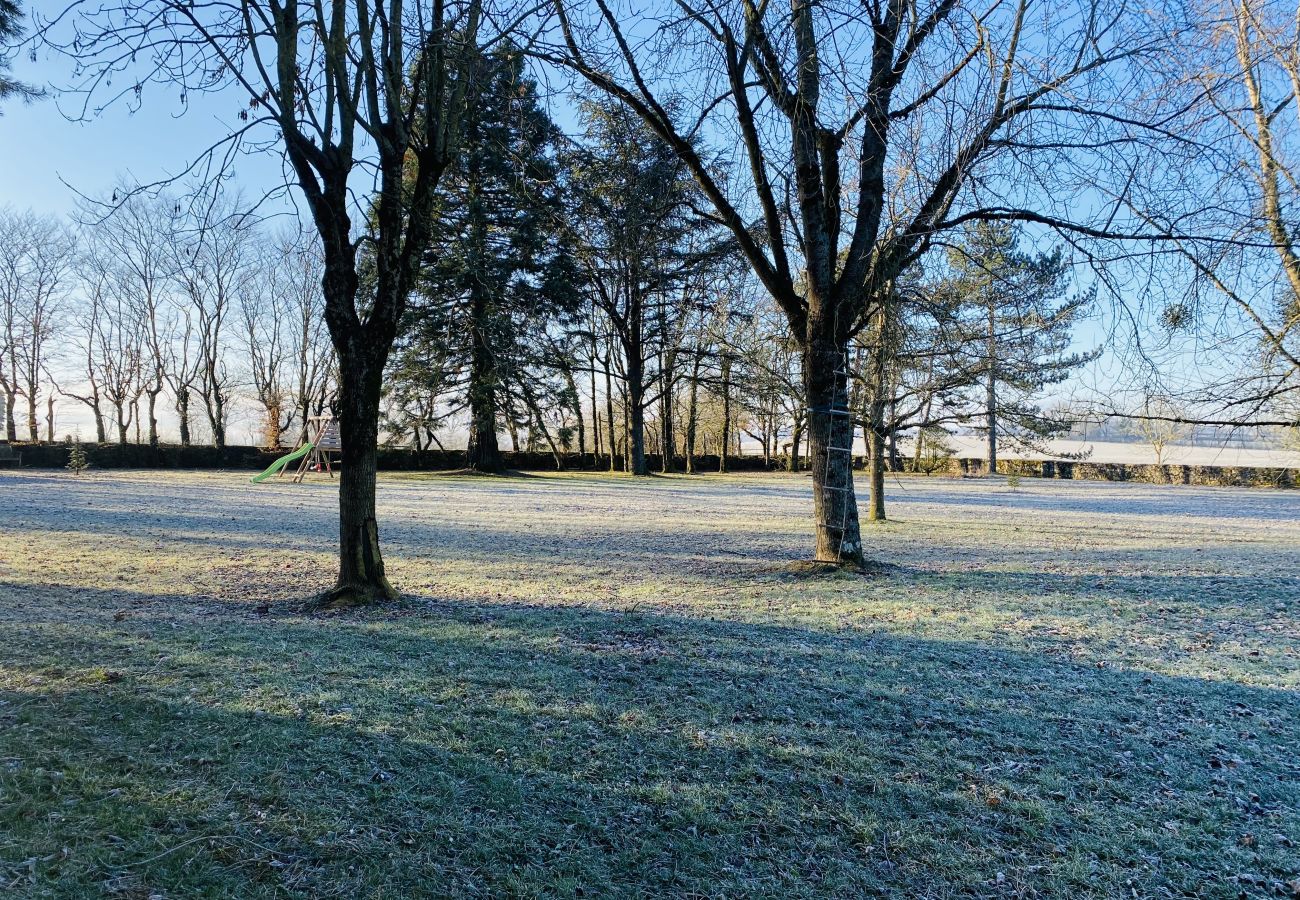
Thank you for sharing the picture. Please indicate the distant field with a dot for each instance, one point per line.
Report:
(1115, 452)
(605, 687)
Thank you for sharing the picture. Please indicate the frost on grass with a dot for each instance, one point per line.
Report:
(603, 687)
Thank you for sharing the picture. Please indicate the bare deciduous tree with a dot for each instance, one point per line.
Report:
(35, 272)
(863, 132)
(360, 97)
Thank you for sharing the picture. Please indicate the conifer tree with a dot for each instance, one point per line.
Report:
(496, 271)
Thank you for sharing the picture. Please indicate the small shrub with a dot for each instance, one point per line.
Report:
(936, 453)
(1013, 479)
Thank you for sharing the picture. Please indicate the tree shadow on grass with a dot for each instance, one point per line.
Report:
(487, 749)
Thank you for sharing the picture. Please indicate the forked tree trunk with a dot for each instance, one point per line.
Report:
(33, 427)
(830, 437)
(153, 416)
(101, 433)
(49, 419)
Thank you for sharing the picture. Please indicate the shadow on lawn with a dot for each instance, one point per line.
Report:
(491, 749)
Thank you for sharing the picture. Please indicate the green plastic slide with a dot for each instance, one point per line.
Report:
(283, 461)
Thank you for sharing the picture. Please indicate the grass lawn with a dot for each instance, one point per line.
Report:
(600, 687)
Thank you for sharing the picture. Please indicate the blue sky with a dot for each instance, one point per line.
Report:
(41, 147)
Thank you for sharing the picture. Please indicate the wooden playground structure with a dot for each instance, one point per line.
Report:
(323, 435)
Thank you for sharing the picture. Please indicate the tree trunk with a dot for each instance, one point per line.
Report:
(636, 423)
(49, 419)
(875, 430)
(361, 577)
(609, 414)
(273, 410)
(830, 435)
(692, 415)
(595, 413)
(726, 413)
(796, 442)
(482, 454)
(991, 395)
(577, 411)
(183, 415)
(11, 425)
(153, 416)
(123, 424)
(33, 426)
(217, 419)
(876, 464)
(668, 437)
(895, 464)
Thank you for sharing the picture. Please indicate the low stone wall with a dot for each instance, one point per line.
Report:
(399, 459)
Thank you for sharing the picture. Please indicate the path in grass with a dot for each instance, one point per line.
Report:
(602, 687)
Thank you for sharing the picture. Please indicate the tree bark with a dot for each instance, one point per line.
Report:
(668, 436)
(153, 416)
(483, 454)
(636, 422)
(183, 415)
(991, 395)
(726, 413)
(692, 416)
(123, 423)
(33, 426)
(609, 414)
(830, 432)
(361, 565)
(49, 419)
(875, 430)
(11, 425)
(876, 471)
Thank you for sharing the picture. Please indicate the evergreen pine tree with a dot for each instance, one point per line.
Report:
(78, 461)
(1018, 318)
(11, 30)
(497, 271)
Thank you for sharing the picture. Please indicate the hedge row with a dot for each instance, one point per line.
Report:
(169, 456)
(393, 459)
(1210, 476)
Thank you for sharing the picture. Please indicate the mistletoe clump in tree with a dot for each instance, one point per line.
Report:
(496, 272)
